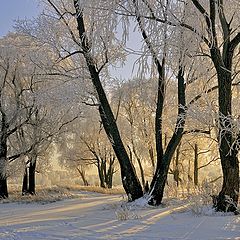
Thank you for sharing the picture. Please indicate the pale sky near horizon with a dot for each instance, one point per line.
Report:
(16, 9)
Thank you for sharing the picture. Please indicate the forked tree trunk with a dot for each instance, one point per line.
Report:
(110, 172)
(160, 177)
(82, 173)
(109, 180)
(163, 158)
(130, 181)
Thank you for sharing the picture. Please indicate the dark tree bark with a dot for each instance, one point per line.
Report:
(3, 175)
(163, 157)
(110, 172)
(32, 171)
(25, 182)
(3, 155)
(130, 181)
(228, 156)
(222, 58)
(176, 168)
(3, 188)
(109, 178)
(195, 170)
(100, 167)
(160, 177)
(105, 170)
(28, 185)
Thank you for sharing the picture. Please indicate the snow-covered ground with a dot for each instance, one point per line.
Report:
(98, 216)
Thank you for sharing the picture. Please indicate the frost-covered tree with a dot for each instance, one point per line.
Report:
(37, 101)
(86, 147)
(16, 105)
(206, 29)
(90, 28)
(56, 106)
(218, 24)
(192, 43)
(159, 54)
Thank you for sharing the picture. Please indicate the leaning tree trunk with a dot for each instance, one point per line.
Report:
(157, 187)
(130, 181)
(139, 164)
(82, 173)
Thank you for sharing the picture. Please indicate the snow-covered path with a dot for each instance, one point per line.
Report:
(94, 217)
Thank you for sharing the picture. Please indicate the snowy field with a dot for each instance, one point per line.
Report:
(101, 216)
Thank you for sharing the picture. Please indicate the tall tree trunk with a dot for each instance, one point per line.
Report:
(227, 148)
(158, 123)
(222, 58)
(160, 177)
(195, 171)
(101, 173)
(3, 169)
(130, 181)
(25, 182)
(163, 159)
(110, 172)
(32, 171)
(3, 187)
(176, 169)
(227, 142)
(109, 177)
(3, 159)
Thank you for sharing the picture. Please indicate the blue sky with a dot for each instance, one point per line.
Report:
(11, 10)
(16, 9)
